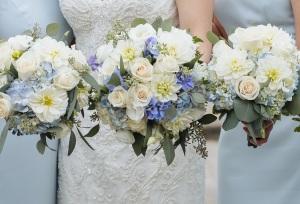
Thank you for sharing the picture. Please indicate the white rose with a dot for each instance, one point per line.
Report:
(135, 113)
(200, 72)
(3, 80)
(125, 136)
(79, 58)
(5, 105)
(27, 65)
(66, 79)
(5, 56)
(20, 42)
(166, 64)
(142, 69)
(63, 131)
(247, 88)
(139, 95)
(141, 33)
(104, 51)
(118, 97)
(108, 67)
(137, 126)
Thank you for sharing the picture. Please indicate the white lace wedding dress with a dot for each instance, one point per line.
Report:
(112, 174)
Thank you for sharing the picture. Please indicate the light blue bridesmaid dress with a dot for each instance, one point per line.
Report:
(269, 174)
(26, 177)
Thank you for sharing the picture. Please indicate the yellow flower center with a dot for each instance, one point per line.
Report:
(129, 53)
(47, 101)
(16, 54)
(164, 88)
(235, 65)
(54, 54)
(171, 51)
(273, 74)
(268, 42)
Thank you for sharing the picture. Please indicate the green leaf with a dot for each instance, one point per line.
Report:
(257, 108)
(138, 145)
(293, 107)
(4, 88)
(230, 122)
(122, 67)
(244, 111)
(73, 100)
(196, 39)
(296, 119)
(297, 129)
(40, 146)
(198, 98)
(170, 113)
(150, 126)
(93, 131)
(52, 29)
(84, 140)
(157, 23)
(169, 150)
(91, 81)
(3, 135)
(167, 25)
(207, 119)
(213, 38)
(182, 140)
(114, 80)
(72, 143)
(138, 21)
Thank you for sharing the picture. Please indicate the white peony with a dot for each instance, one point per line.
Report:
(178, 44)
(273, 71)
(164, 87)
(118, 97)
(141, 33)
(20, 42)
(142, 70)
(66, 79)
(247, 88)
(49, 104)
(5, 105)
(135, 113)
(139, 95)
(5, 56)
(27, 65)
(129, 51)
(104, 51)
(167, 64)
(125, 136)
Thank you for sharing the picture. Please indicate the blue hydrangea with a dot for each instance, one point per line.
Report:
(49, 71)
(156, 110)
(186, 81)
(184, 101)
(93, 63)
(151, 48)
(122, 83)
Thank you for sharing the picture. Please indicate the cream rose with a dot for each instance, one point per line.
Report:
(118, 97)
(27, 65)
(142, 70)
(67, 79)
(247, 88)
(166, 64)
(5, 105)
(139, 95)
(135, 113)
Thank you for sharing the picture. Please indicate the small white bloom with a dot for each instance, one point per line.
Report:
(5, 105)
(139, 95)
(5, 56)
(135, 113)
(20, 42)
(247, 88)
(200, 72)
(104, 51)
(66, 79)
(164, 87)
(78, 57)
(49, 104)
(27, 65)
(118, 97)
(142, 70)
(141, 33)
(128, 50)
(63, 131)
(167, 64)
(125, 136)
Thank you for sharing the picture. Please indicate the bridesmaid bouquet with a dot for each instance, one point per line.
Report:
(253, 79)
(150, 91)
(41, 87)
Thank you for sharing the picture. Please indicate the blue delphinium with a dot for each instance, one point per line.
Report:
(20, 92)
(93, 63)
(156, 110)
(184, 101)
(151, 48)
(186, 81)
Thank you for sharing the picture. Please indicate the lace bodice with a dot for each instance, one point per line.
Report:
(112, 174)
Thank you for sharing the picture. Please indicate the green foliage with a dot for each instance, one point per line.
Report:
(244, 111)
(52, 29)
(230, 122)
(72, 102)
(293, 107)
(122, 67)
(91, 81)
(157, 23)
(3, 135)
(213, 38)
(72, 143)
(41, 147)
(84, 140)
(170, 113)
(138, 21)
(138, 145)
(169, 149)
(167, 25)
(207, 119)
(93, 131)
(114, 80)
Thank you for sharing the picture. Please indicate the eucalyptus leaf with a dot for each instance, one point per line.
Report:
(72, 143)
(169, 150)
(93, 131)
(73, 101)
(157, 23)
(182, 140)
(230, 122)
(297, 129)
(91, 81)
(213, 38)
(84, 140)
(138, 145)
(198, 98)
(52, 29)
(167, 25)
(170, 113)
(114, 80)
(150, 125)
(40, 146)
(4, 88)
(138, 21)
(207, 119)
(244, 111)
(3, 135)
(122, 67)
(293, 107)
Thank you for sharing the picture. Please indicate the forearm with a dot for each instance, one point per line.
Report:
(196, 16)
(296, 10)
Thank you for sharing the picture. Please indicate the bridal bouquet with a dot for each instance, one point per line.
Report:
(252, 80)
(41, 87)
(150, 92)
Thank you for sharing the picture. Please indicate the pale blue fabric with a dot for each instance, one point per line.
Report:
(270, 174)
(26, 177)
